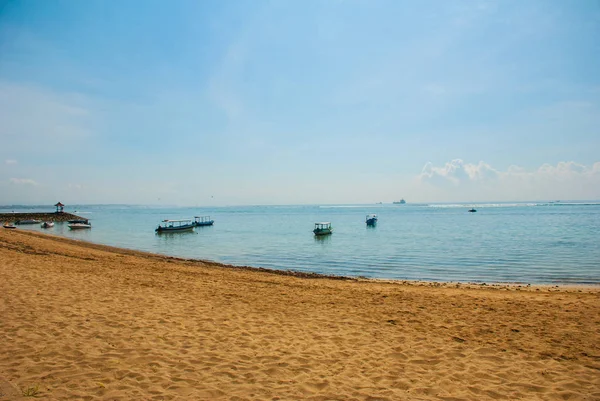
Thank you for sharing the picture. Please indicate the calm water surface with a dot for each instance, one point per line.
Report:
(521, 242)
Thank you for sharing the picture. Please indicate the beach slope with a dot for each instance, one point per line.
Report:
(83, 321)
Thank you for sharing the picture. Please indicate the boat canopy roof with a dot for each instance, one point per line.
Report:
(324, 223)
(176, 221)
(202, 217)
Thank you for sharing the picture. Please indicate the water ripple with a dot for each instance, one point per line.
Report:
(503, 242)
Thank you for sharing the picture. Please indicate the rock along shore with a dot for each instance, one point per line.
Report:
(53, 216)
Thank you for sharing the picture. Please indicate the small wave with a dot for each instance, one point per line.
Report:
(340, 206)
(573, 204)
(523, 204)
(463, 205)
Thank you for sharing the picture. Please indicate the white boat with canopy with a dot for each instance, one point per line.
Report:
(323, 228)
(203, 221)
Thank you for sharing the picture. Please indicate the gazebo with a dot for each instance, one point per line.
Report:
(59, 207)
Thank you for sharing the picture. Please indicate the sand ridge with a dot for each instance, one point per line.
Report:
(85, 321)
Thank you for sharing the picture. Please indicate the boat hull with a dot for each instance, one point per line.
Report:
(78, 226)
(323, 232)
(205, 223)
(371, 222)
(161, 230)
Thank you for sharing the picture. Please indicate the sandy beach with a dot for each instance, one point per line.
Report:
(82, 321)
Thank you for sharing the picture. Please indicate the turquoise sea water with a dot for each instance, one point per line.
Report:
(505, 242)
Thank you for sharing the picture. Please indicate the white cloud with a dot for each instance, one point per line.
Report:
(565, 180)
(457, 171)
(10, 161)
(23, 181)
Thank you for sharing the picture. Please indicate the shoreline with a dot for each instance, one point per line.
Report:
(314, 275)
(88, 321)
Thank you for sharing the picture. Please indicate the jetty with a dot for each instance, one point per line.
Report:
(58, 216)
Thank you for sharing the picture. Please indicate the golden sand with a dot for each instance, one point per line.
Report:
(82, 321)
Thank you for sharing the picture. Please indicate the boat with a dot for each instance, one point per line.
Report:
(400, 202)
(323, 228)
(9, 225)
(47, 224)
(79, 224)
(171, 226)
(472, 210)
(371, 219)
(28, 221)
(203, 221)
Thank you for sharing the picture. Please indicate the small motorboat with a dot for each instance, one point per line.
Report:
(323, 228)
(371, 219)
(200, 221)
(9, 225)
(47, 224)
(174, 226)
(79, 224)
(472, 210)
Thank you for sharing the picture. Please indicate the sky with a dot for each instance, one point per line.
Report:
(241, 102)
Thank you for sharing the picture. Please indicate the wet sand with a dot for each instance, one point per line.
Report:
(83, 321)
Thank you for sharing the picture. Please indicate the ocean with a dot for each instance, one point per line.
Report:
(536, 243)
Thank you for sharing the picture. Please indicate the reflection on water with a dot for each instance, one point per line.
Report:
(204, 227)
(323, 239)
(174, 235)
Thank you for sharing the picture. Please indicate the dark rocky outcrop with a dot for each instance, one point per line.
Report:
(12, 217)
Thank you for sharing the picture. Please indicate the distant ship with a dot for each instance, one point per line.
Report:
(400, 202)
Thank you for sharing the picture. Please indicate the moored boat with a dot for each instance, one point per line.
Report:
(27, 221)
(79, 224)
(203, 221)
(371, 219)
(472, 210)
(168, 226)
(9, 225)
(47, 224)
(323, 228)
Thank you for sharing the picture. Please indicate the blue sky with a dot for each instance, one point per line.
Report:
(285, 102)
